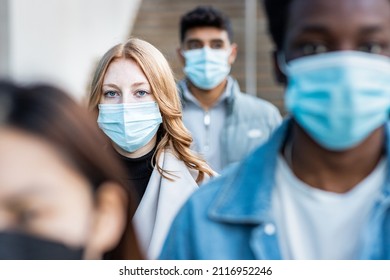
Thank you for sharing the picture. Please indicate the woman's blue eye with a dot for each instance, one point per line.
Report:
(142, 93)
(110, 93)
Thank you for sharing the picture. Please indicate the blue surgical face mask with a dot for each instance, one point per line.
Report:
(339, 98)
(130, 125)
(206, 68)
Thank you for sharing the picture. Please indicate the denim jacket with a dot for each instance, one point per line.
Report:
(230, 217)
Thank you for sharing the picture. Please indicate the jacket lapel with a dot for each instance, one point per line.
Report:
(245, 196)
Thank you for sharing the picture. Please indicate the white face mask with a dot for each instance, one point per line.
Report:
(207, 68)
(130, 125)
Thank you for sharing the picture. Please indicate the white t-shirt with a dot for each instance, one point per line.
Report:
(316, 224)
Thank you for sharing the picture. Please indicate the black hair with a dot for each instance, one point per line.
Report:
(205, 16)
(277, 15)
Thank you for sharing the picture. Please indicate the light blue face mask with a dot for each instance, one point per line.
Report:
(339, 98)
(206, 68)
(130, 125)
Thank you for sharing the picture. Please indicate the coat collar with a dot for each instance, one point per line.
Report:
(232, 87)
(251, 202)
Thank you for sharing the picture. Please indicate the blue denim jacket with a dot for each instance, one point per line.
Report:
(230, 217)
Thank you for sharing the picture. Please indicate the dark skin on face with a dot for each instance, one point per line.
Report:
(317, 26)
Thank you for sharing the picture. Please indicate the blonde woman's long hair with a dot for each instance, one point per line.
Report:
(162, 82)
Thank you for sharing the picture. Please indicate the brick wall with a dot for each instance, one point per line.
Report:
(158, 23)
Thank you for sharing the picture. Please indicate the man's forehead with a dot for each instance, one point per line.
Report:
(206, 34)
(345, 18)
(302, 9)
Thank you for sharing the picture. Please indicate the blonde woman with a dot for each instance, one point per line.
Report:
(135, 98)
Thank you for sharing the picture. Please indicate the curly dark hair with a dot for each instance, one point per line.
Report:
(205, 16)
(277, 15)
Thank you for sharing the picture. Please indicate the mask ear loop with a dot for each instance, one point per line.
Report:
(229, 51)
(281, 60)
(284, 68)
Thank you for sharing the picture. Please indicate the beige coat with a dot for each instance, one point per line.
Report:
(161, 202)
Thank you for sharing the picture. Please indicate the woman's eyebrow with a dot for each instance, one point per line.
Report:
(136, 84)
(110, 85)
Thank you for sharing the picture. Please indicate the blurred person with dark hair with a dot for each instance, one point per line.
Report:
(226, 123)
(320, 187)
(135, 98)
(61, 195)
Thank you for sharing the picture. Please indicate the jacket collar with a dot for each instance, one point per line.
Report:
(251, 202)
(233, 90)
